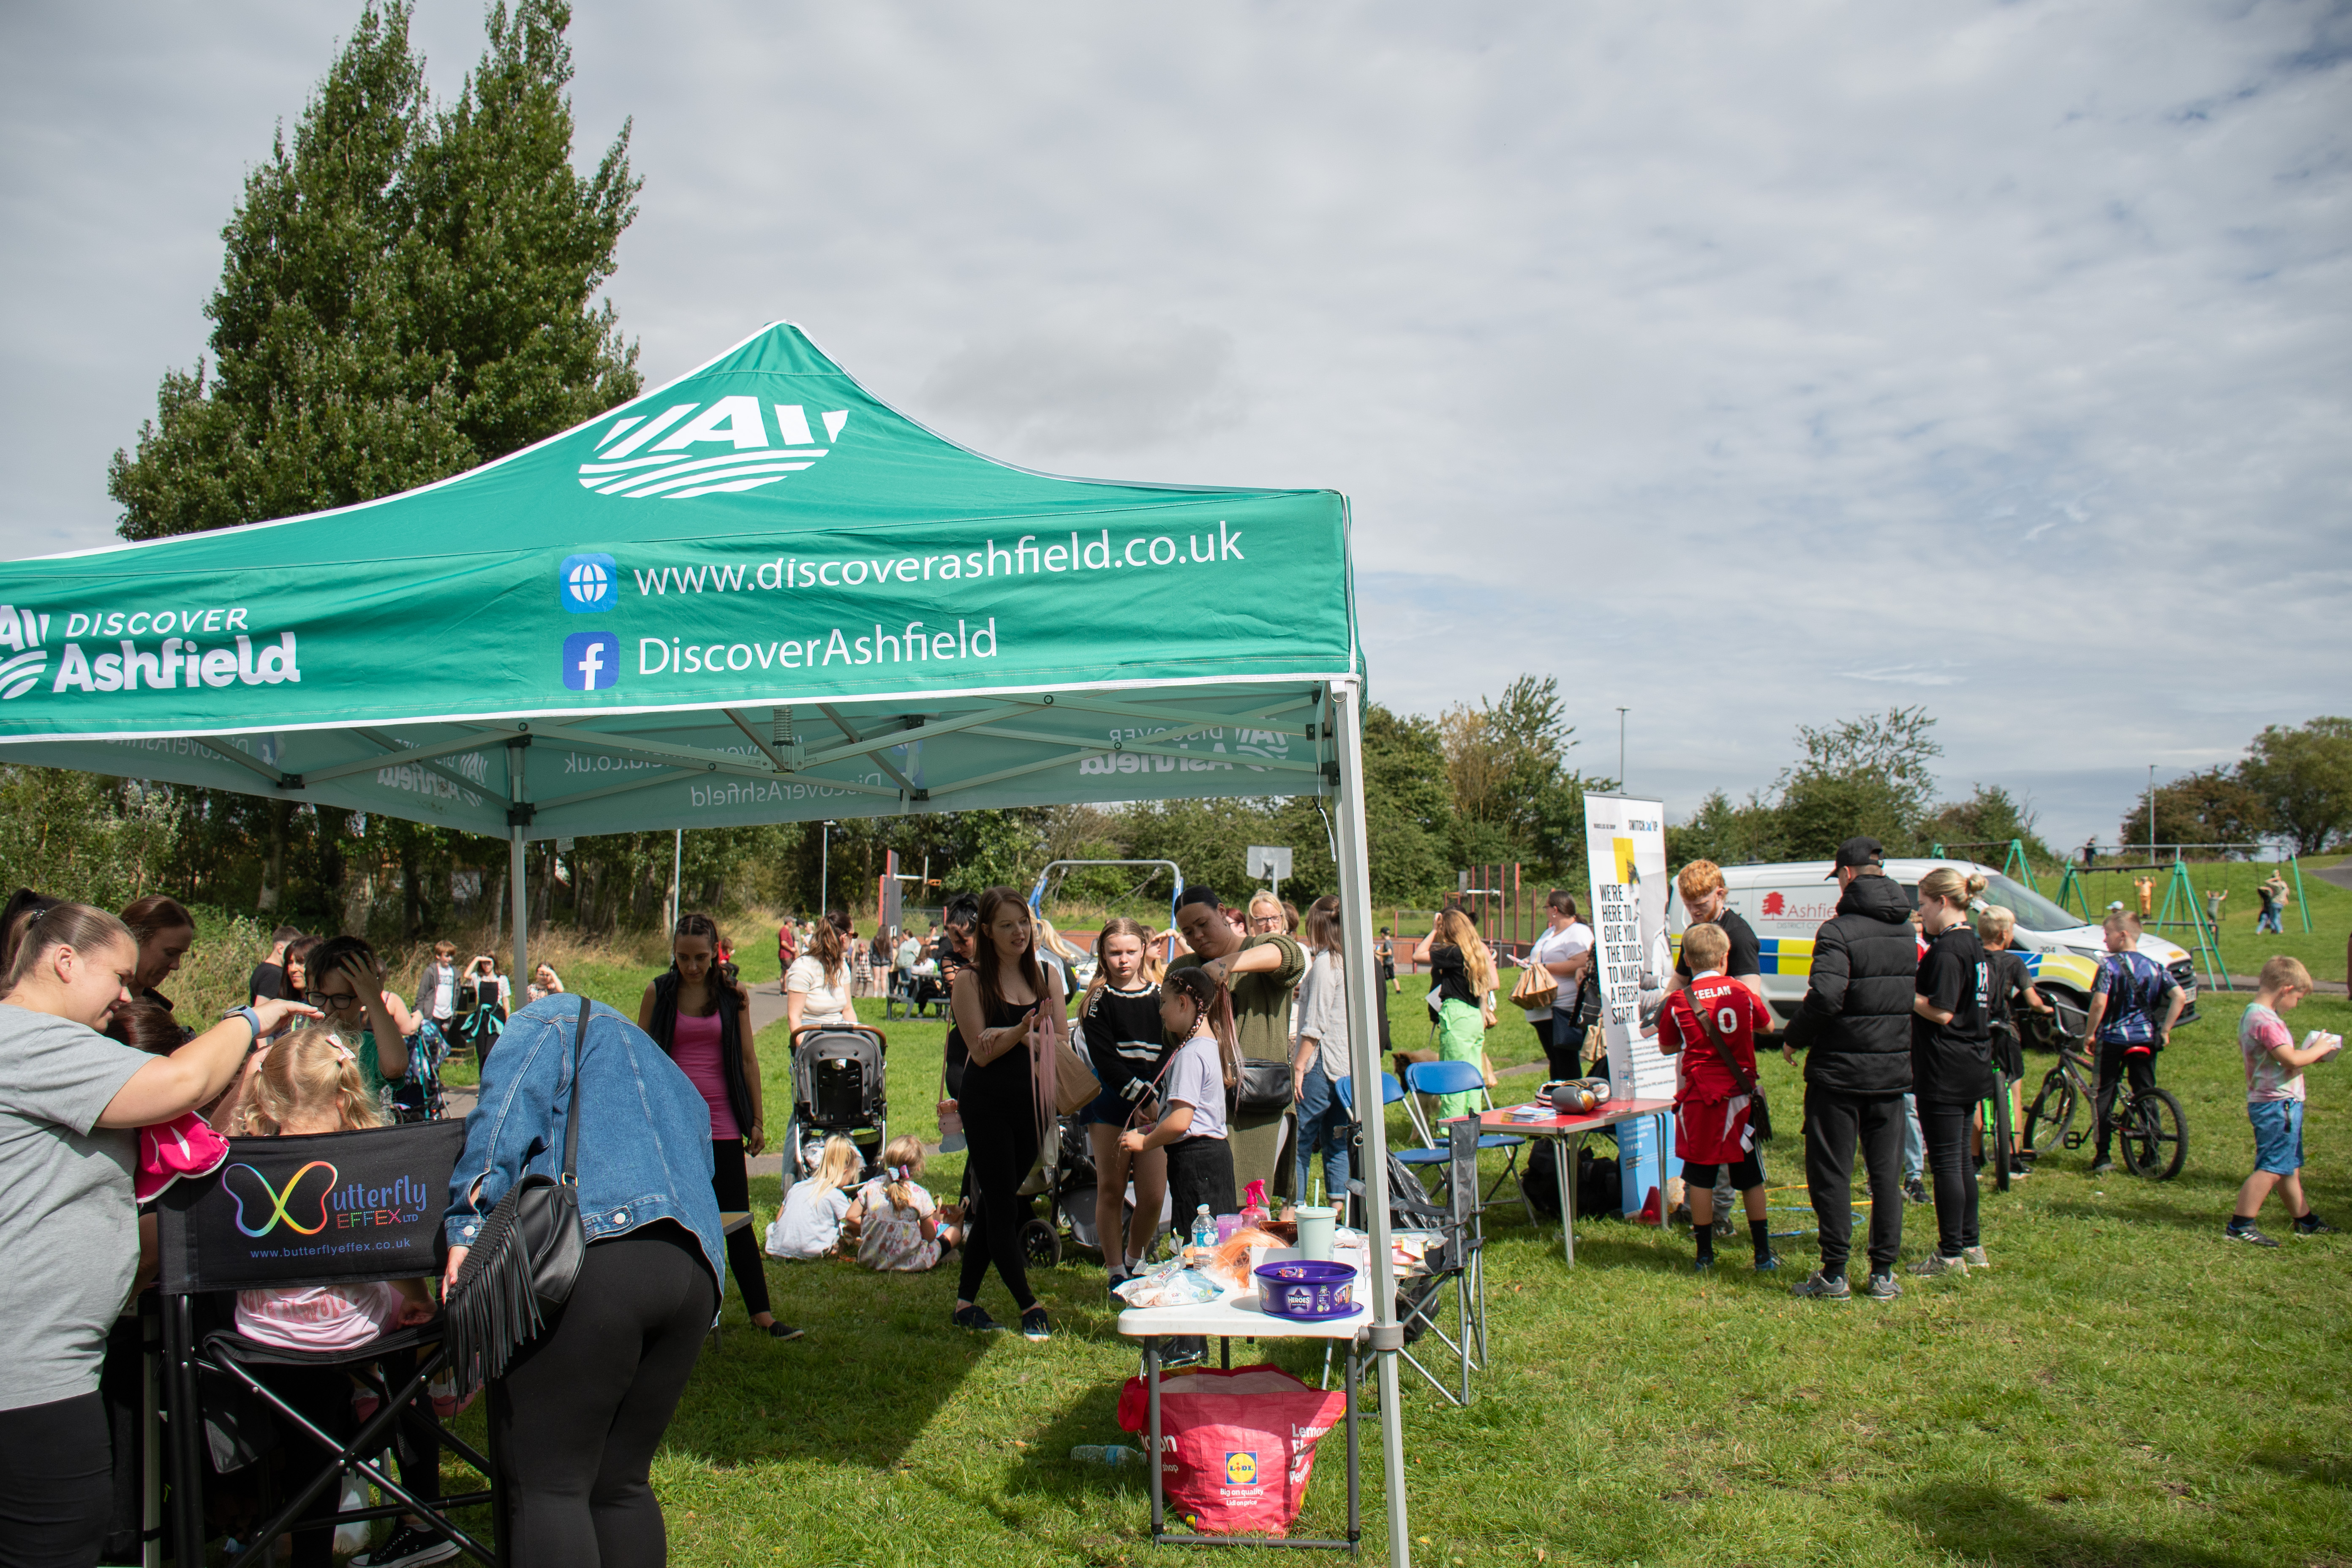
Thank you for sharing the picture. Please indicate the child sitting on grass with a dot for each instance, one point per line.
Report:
(2274, 1100)
(819, 1212)
(905, 1231)
(1711, 1018)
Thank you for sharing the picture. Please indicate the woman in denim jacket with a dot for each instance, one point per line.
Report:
(575, 1419)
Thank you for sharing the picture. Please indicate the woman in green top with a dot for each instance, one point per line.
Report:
(1262, 974)
(345, 982)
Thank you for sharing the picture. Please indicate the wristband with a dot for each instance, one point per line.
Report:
(251, 1018)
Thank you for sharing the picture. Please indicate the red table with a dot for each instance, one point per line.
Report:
(1567, 1134)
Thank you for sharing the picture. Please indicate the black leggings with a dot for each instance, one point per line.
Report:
(1954, 1172)
(575, 1420)
(1200, 1171)
(56, 1484)
(1003, 1139)
(732, 1188)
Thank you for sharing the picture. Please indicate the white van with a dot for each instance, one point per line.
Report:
(1786, 903)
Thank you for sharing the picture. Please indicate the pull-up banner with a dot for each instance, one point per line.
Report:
(1625, 845)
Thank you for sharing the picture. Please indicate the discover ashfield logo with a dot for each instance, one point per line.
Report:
(640, 457)
(26, 661)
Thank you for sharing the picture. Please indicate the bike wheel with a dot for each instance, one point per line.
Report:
(2004, 1150)
(2051, 1114)
(2155, 1136)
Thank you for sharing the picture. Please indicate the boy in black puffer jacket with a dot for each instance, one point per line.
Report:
(1855, 1029)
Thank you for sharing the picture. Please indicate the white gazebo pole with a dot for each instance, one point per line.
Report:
(1364, 1003)
(517, 880)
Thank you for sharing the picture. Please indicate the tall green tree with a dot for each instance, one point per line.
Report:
(2305, 778)
(406, 291)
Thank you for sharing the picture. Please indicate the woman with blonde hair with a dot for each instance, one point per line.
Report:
(1462, 994)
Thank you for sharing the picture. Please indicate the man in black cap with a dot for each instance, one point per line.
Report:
(1855, 1029)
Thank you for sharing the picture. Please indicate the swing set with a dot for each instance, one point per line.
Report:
(2180, 896)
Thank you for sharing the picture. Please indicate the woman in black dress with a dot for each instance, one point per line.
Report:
(1008, 1010)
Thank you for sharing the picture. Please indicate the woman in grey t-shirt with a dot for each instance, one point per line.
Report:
(70, 1103)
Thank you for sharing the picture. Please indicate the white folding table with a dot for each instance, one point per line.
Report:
(1235, 1316)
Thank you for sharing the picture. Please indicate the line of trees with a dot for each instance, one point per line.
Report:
(2294, 784)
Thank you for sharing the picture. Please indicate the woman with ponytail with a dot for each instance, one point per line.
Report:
(1952, 1060)
(71, 1102)
(702, 1019)
(1009, 1013)
(1461, 993)
(818, 984)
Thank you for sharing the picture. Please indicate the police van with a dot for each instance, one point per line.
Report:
(1786, 903)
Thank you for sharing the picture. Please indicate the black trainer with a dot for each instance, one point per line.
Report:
(2247, 1234)
(1034, 1325)
(976, 1319)
(410, 1547)
(2312, 1224)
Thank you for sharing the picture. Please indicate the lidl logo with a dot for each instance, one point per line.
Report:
(1241, 1469)
(588, 584)
(689, 450)
(592, 661)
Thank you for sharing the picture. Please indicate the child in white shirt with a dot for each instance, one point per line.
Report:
(818, 1210)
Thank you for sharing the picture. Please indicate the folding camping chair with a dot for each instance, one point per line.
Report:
(1455, 1263)
(1434, 1078)
(341, 1208)
(1391, 1092)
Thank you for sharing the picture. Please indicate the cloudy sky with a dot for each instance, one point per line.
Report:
(1748, 365)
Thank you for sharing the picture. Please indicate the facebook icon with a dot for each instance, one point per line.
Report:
(592, 661)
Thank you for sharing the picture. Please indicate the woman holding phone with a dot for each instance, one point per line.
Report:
(1008, 1007)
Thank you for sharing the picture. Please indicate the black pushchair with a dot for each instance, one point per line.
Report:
(838, 1088)
(1064, 1173)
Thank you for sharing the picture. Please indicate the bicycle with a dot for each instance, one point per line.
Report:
(2153, 1133)
(1993, 1129)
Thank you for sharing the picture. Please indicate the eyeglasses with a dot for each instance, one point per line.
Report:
(1265, 922)
(336, 1000)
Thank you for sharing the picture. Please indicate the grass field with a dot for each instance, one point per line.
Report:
(2122, 1388)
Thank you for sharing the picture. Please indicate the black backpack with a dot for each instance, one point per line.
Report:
(1599, 1188)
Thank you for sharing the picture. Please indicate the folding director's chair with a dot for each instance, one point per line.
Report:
(341, 1208)
(1458, 1260)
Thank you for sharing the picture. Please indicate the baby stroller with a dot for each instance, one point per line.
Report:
(419, 1096)
(838, 1088)
(1065, 1173)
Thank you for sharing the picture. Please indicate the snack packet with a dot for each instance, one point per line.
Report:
(1169, 1284)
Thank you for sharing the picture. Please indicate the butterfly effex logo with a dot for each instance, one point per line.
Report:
(289, 1207)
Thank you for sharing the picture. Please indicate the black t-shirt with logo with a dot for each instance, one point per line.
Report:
(1951, 1064)
(1745, 956)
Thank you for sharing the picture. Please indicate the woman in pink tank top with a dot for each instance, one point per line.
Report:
(700, 1014)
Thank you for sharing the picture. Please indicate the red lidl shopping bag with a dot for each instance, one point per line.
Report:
(1236, 1448)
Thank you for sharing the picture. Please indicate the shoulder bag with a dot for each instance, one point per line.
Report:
(1537, 988)
(524, 1262)
(1759, 1110)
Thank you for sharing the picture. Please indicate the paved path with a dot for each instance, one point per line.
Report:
(2339, 875)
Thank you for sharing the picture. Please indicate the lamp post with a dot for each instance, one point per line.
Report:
(1621, 748)
(677, 876)
(823, 868)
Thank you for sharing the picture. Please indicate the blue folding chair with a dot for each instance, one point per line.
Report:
(1434, 1078)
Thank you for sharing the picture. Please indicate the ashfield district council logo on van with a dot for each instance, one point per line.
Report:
(670, 456)
(587, 583)
(592, 661)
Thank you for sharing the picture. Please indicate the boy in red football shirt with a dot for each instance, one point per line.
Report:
(1711, 1097)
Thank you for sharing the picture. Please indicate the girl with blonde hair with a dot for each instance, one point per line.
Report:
(1951, 1062)
(904, 1229)
(1462, 995)
(819, 1210)
(1119, 1024)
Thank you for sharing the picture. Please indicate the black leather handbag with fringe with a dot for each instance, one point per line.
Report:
(524, 1261)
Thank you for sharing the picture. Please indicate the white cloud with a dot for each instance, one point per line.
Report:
(1705, 356)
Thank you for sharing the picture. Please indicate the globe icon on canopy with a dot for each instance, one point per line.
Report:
(588, 581)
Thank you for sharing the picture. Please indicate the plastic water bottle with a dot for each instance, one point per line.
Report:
(1112, 1455)
(1204, 1230)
